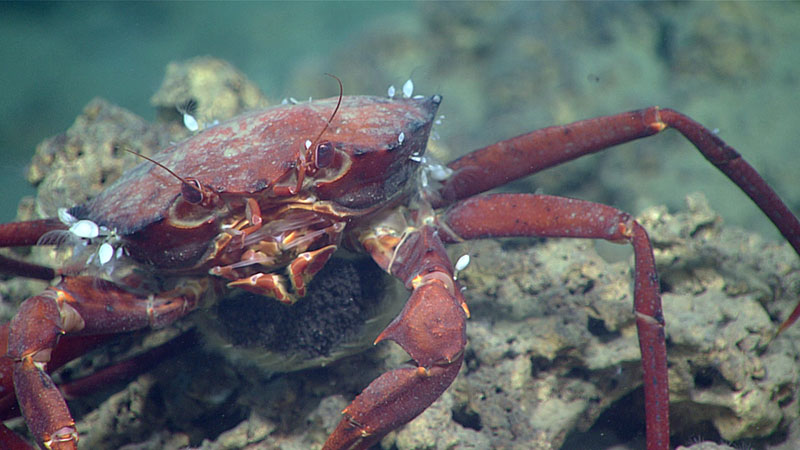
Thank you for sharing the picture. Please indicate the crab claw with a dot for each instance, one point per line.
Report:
(431, 328)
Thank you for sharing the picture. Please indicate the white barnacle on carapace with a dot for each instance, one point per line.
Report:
(105, 253)
(432, 167)
(190, 122)
(461, 263)
(431, 173)
(91, 244)
(416, 157)
(65, 217)
(85, 229)
(408, 88)
(187, 110)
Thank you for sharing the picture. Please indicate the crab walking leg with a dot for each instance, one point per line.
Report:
(83, 305)
(68, 348)
(547, 216)
(16, 268)
(24, 234)
(500, 163)
(129, 368)
(431, 328)
(10, 441)
(20, 234)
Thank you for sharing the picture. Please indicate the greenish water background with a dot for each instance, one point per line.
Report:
(503, 68)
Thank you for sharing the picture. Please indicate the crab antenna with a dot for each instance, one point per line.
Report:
(335, 110)
(186, 183)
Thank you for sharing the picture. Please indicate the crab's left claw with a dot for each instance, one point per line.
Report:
(431, 328)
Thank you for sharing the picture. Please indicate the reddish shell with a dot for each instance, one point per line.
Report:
(254, 151)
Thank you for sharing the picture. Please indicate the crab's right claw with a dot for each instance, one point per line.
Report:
(432, 329)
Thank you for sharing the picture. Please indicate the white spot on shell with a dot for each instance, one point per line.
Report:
(408, 88)
(308, 144)
(85, 229)
(391, 91)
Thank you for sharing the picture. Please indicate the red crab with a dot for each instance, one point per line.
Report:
(263, 201)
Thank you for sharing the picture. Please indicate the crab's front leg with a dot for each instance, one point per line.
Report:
(77, 305)
(431, 328)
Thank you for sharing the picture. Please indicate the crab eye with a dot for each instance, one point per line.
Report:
(191, 191)
(323, 155)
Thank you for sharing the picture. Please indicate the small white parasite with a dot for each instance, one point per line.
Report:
(187, 110)
(391, 91)
(401, 137)
(439, 171)
(105, 253)
(85, 229)
(461, 263)
(408, 88)
(65, 217)
(190, 122)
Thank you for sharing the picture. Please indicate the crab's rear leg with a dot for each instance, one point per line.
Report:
(547, 216)
(431, 328)
(500, 163)
(78, 305)
(10, 441)
(24, 234)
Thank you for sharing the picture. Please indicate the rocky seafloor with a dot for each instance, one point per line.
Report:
(552, 359)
